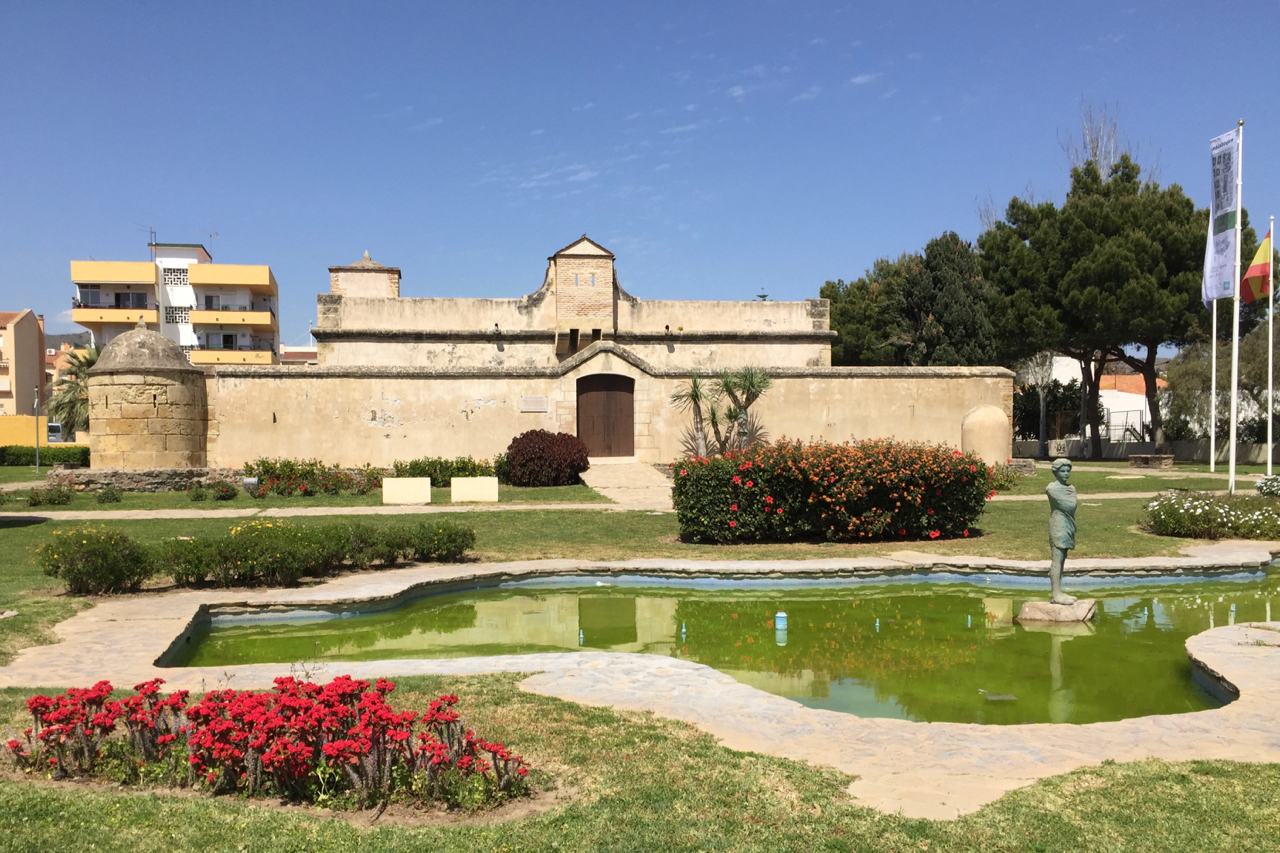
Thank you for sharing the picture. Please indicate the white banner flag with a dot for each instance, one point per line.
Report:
(1220, 253)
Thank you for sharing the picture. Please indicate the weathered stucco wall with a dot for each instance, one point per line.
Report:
(661, 315)
(351, 416)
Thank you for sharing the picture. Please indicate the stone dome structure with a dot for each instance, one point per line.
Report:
(148, 407)
(140, 350)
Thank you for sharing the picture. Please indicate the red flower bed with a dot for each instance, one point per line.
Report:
(865, 490)
(300, 741)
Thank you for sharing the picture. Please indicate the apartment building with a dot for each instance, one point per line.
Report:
(217, 313)
(22, 378)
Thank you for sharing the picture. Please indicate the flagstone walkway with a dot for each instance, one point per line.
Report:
(933, 770)
(631, 485)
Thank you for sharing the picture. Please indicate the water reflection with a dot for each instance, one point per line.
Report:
(920, 651)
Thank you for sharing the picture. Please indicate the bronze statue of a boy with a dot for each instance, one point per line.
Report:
(1062, 527)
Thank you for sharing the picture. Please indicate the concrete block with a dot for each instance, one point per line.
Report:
(477, 489)
(406, 490)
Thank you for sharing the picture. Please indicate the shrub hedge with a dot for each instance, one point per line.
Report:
(257, 553)
(307, 477)
(859, 491)
(541, 458)
(442, 470)
(52, 454)
(94, 560)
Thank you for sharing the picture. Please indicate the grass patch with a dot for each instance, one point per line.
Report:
(1187, 467)
(644, 783)
(21, 473)
(1099, 482)
(85, 501)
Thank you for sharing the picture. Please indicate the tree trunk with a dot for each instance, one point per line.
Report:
(1042, 451)
(1153, 402)
(1091, 371)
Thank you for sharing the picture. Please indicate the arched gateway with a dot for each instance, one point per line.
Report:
(606, 414)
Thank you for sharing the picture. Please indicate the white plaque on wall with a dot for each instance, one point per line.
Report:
(534, 403)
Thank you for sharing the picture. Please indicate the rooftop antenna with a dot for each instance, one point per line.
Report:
(151, 244)
(212, 237)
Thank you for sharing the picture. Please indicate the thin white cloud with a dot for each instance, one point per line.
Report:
(808, 94)
(915, 55)
(689, 107)
(737, 92)
(428, 124)
(400, 113)
(863, 79)
(658, 168)
(537, 132)
(818, 41)
(584, 175)
(684, 128)
(890, 93)
(588, 105)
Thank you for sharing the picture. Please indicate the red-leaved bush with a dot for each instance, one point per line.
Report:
(300, 741)
(875, 489)
(541, 458)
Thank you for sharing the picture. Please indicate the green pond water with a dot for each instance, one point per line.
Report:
(921, 651)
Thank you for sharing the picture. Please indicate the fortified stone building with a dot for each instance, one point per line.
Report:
(400, 378)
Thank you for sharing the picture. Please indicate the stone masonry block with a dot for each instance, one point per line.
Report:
(406, 490)
(478, 489)
(137, 410)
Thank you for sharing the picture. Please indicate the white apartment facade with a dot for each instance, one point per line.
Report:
(217, 313)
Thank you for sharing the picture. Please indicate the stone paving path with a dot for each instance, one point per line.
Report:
(294, 512)
(933, 770)
(631, 485)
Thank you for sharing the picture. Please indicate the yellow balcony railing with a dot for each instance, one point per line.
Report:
(257, 278)
(253, 319)
(98, 316)
(113, 272)
(232, 356)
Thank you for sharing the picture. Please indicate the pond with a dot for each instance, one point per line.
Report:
(921, 649)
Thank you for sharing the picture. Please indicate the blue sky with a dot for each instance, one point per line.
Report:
(719, 150)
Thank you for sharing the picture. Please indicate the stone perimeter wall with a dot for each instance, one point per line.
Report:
(354, 416)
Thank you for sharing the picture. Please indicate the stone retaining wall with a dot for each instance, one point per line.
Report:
(141, 480)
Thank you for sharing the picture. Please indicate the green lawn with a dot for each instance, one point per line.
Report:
(1100, 481)
(1188, 467)
(181, 500)
(643, 783)
(21, 473)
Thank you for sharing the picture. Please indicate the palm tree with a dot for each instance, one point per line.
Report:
(695, 396)
(69, 404)
(743, 387)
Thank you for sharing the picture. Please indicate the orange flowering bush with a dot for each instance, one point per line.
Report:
(863, 490)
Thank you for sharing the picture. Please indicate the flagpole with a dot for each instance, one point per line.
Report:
(1235, 318)
(1213, 389)
(1271, 338)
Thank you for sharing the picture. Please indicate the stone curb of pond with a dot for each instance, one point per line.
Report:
(933, 770)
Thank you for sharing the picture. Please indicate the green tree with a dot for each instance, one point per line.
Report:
(921, 309)
(69, 404)
(1111, 275)
(864, 314)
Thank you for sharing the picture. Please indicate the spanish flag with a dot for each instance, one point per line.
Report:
(1256, 282)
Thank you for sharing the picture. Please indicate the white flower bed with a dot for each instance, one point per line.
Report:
(1269, 486)
(1201, 515)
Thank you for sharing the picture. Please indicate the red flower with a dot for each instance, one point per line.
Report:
(733, 524)
(902, 533)
(737, 480)
(930, 510)
(684, 472)
(733, 507)
(768, 499)
(973, 468)
(750, 484)
(779, 510)
(933, 534)
(966, 533)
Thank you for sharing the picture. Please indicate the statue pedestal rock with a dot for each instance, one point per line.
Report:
(1062, 538)
(1081, 610)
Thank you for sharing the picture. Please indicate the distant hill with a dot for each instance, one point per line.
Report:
(76, 339)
